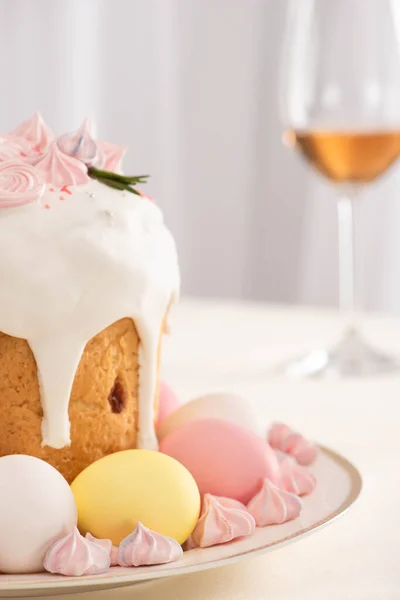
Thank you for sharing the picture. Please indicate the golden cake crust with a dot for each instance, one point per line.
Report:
(106, 379)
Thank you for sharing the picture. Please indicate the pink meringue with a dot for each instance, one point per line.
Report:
(60, 169)
(282, 437)
(10, 151)
(296, 479)
(221, 520)
(14, 147)
(146, 547)
(20, 183)
(108, 546)
(112, 156)
(80, 145)
(35, 131)
(302, 450)
(277, 433)
(273, 506)
(74, 556)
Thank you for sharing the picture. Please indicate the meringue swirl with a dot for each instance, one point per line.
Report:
(296, 478)
(74, 556)
(20, 183)
(221, 520)
(282, 437)
(60, 169)
(273, 506)
(144, 547)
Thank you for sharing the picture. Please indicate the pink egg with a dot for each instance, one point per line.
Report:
(168, 402)
(224, 458)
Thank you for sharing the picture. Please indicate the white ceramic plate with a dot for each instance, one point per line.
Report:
(339, 485)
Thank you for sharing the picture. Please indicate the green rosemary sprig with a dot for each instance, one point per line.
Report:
(116, 181)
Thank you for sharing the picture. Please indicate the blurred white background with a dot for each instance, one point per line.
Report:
(192, 87)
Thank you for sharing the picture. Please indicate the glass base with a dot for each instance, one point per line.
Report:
(351, 357)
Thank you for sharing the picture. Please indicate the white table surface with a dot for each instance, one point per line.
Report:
(218, 346)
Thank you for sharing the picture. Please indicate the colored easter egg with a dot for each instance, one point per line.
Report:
(224, 458)
(117, 491)
(167, 404)
(36, 507)
(229, 407)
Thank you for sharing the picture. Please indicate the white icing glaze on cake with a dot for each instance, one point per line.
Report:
(73, 263)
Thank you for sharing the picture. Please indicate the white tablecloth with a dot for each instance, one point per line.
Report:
(218, 346)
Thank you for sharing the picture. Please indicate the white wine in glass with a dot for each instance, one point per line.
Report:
(347, 156)
(340, 105)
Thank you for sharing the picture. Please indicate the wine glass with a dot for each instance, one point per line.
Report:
(340, 105)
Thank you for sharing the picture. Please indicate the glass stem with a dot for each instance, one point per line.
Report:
(347, 295)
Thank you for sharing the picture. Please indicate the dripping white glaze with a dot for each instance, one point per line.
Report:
(70, 270)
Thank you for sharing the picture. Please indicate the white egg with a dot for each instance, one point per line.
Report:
(36, 507)
(228, 407)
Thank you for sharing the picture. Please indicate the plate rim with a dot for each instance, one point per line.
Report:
(105, 580)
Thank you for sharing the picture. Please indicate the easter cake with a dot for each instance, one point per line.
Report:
(101, 467)
(88, 272)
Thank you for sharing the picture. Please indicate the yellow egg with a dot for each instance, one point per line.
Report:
(117, 491)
